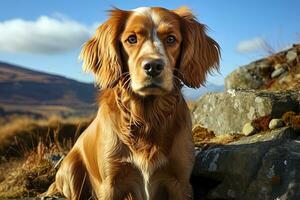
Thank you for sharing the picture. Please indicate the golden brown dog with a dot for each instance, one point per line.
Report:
(140, 146)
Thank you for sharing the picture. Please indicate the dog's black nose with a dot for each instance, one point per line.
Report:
(153, 67)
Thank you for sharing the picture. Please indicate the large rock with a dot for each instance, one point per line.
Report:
(227, 112)
(267, 73)
(261, 167)
(291, 55)
(248, 77)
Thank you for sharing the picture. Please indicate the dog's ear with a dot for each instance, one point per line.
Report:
(101, 54)
(199, 53)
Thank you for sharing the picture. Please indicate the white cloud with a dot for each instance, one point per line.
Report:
(252, 45)
(46, 35)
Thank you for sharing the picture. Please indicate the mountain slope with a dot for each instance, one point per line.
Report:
(23, 86)
(193, 94)
(27, 91)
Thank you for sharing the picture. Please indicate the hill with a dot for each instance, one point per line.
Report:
(28, 92)
(194, 94)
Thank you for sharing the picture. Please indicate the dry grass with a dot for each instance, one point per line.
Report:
(13, 112)
(29, 177)
(23, 135)
(206, 138)
(292, 119)
(271, 48)
(27, 148)
(201, 135)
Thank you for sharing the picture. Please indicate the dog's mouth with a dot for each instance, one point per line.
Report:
(151, 86)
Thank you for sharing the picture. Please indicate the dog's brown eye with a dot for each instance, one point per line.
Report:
(171, 39)
(132, 39)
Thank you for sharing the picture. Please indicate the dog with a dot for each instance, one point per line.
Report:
(140, 145)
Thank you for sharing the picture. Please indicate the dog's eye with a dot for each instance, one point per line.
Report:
(132, 39)
(171, 39)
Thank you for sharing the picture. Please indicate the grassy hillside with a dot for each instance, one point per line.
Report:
(39, 95)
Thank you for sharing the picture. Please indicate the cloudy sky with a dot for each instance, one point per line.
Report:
(47, 35)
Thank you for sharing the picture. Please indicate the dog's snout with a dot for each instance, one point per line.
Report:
(153, 67)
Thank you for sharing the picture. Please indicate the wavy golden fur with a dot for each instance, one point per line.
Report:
(139, 146)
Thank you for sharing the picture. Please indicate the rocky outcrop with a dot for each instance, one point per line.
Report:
(263, 167)
(278, 71)
(227, 112)
(262, 160)
(248, 76)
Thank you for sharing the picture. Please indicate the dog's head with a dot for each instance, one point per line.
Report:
(151, 47)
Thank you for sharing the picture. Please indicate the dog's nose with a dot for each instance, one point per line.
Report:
(153, 67)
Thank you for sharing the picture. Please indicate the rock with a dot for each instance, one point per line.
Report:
(227, 112)
(277, 66)
(276, 123)
(281, 65)
(245, 77)
(264, 65)
(257, 75)
(262, 167)
(248, 129)
(277, 72)
(291, 55)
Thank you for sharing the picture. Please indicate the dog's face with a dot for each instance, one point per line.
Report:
(151, 47)
(151, 41)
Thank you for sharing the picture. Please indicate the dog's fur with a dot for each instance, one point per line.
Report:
(139, 146)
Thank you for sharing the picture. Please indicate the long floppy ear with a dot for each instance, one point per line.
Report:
(199, 53)
(101, 54)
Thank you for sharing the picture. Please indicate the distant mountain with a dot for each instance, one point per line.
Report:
(194, 94)
(26, 90)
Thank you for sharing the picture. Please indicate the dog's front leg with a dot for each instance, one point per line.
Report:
(113, 192)
(126, 184)
(180, 191)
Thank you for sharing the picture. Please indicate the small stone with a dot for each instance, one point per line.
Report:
(264, 65)
(277, 72)
(291, 56)
(248, 129)
(277, 66)
(281, 65)
(276, 123)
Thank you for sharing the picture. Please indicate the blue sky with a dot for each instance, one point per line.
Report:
(47, 35)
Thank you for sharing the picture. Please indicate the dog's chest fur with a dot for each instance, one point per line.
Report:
(149, 153)
(148, 167)
(146, 129)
